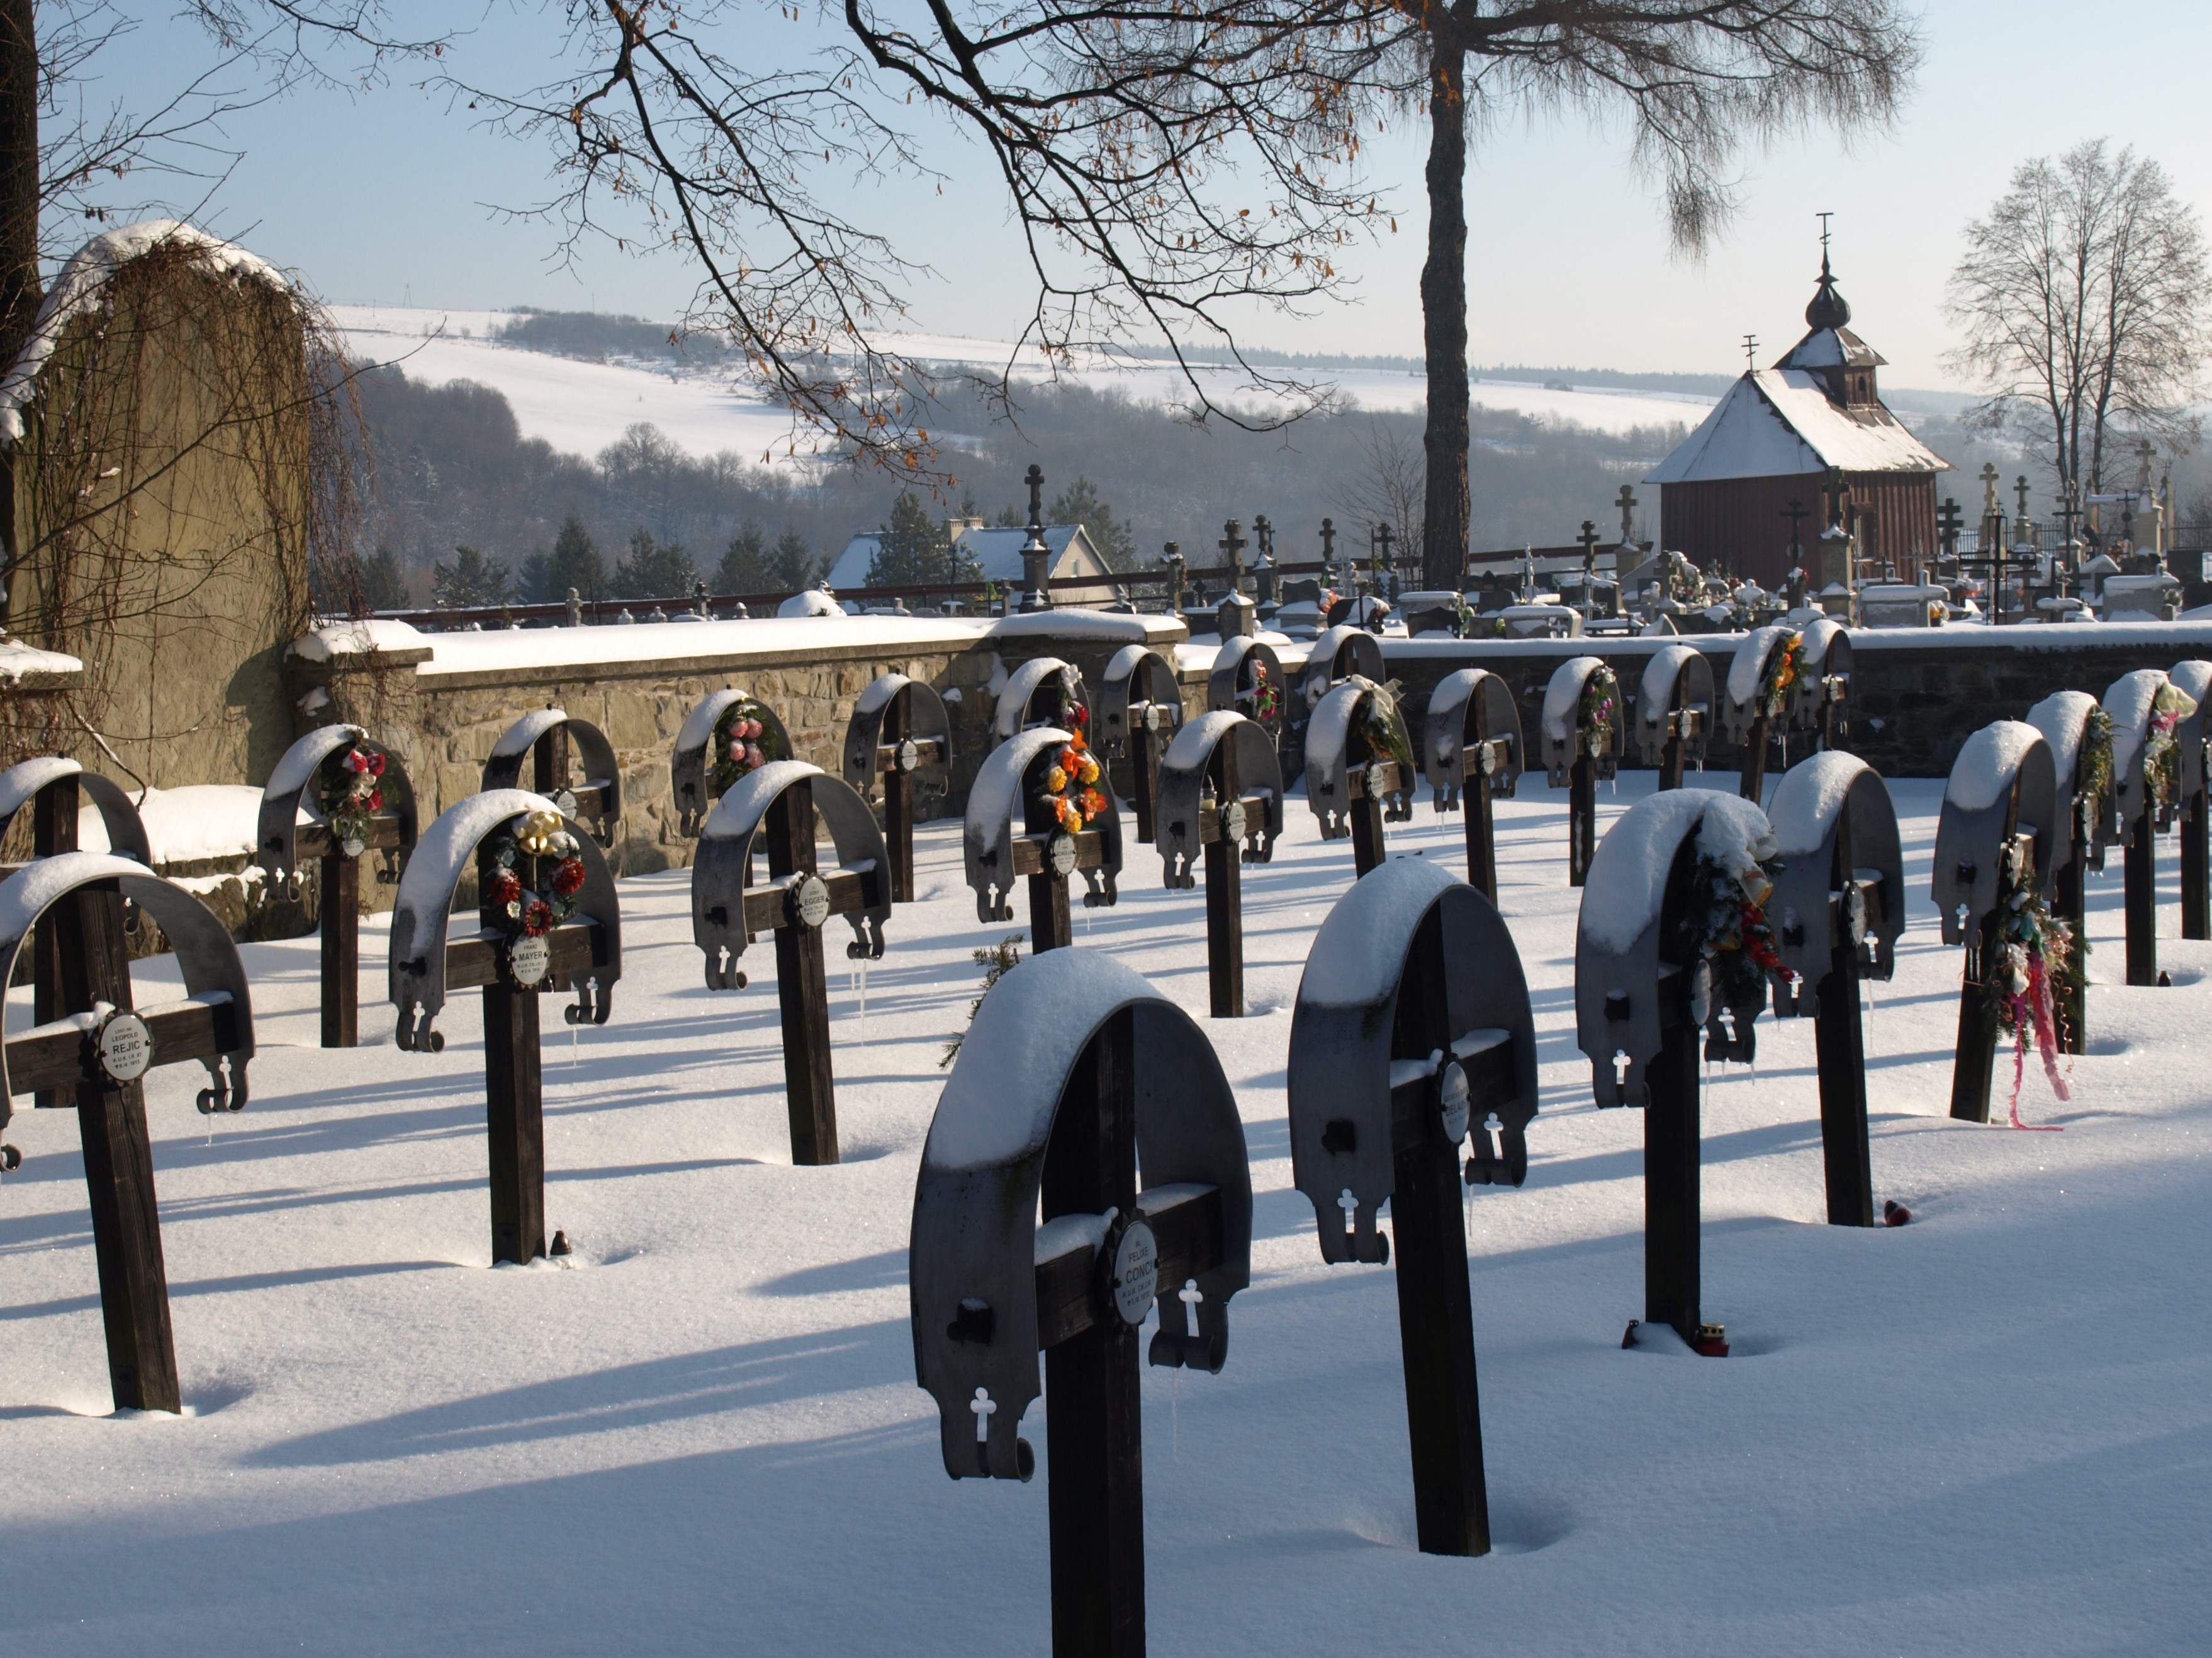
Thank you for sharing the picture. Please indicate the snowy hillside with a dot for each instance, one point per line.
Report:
(1986, 1432)
(580, 407)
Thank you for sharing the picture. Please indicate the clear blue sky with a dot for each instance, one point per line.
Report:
(388, 195)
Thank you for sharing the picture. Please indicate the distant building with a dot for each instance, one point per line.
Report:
(999, 551)
(1778, 441)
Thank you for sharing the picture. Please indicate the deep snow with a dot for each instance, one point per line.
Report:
(1986, 1432)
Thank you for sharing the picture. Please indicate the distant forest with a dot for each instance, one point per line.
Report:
(449, 468)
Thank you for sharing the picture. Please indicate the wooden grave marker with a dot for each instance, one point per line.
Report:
(899, 734)
(1060, 1128)
(1820, 700)
(1220, 807)
(56, 789)
(1341, 653)
(1413, 1032)
(2194, 677)
(1140, 711)
(557, 746)
(1650, 974)
(1840, 903)
(547, 919)
(1993, 844)
(1248, 679)
(1582, 731)
(780, 810)
(2153, 768)
(96, 1049)
(1471, 754)
(1019, 826)
(1757, 699)
(356, 798)
(1042, 691)
(2079, 736)
(1674, 712)
(1359, 766)
(730, 733)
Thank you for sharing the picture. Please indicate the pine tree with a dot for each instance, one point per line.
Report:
(574, 562)
(383, 585)
(653, 570)
(744, 568)
(792, 562)
(471, 582)
(914, 548)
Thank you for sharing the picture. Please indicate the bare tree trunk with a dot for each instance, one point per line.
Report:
(1443, 311)
(19, 230)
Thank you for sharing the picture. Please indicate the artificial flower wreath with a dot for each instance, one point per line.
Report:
(2161, 752)
(746, 738)
(1265, 695)
(1729, 928)
(532, 876)
(1069, 792)
(2036, 953)
(1785, 663)
(1598, 716)
(349, 792)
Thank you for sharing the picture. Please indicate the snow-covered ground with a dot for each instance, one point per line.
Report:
(582, 407)
(1987, 1432)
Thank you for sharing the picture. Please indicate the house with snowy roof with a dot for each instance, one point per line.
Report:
(999, 552)
(1751, 488)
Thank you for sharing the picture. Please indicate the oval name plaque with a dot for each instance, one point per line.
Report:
(126, 1046)
(566, 801)
(1452, 1098)
(1136, 1273)
(1233, 824)
(909, 754)
(1060, 855)
(810, 901)
(528, 961)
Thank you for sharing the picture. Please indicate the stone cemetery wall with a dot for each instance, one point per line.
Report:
(440, 701)
(1917, 694)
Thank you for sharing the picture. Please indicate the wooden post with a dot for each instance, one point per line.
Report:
(514, 1119)
(1436, 1310)
(2140, 883)
(1672, 1255)
(549, 762)
(1367, 850)
(1839, 1050)
(1144, 776)
(118, 1164)
(1753, 784)
(1670, 755)
(1094, 1452)
(2196, 868)
(1225, 892)
(1976, 1056)
(1481, 833)
(338, 900)
(898, 802)
(1581, 817)
(802, 988)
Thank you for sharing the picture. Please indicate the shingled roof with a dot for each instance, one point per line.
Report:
(1781, 422)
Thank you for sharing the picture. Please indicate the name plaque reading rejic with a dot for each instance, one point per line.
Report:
(124, 1047)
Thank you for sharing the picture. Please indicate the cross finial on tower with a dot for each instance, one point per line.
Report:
(1824, 218)
(1750, 352)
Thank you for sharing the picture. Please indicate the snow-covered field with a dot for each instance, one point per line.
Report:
(1987, 1432)
(582, 407)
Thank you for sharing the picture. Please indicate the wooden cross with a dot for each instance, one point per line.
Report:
(92, 1052)
(1371, 781)
(1139, 709)
(286, 844)
(1328, 542)
(2019, 489)
(1838, 491)
(1384, 1090)
(1989, 476)
(514, 969)
(1383, 556)
(1221, 791)
(1045, 854)
(1950, 521)
(1795, 511)
(1472, 739)
(1263, 536)
(1171, 555)
(2195, 820)
(1588, 540)
(887, 742)
(1581, 768)
(1627, 503)
(992, 1288)
(787, 806)
(1232, 546)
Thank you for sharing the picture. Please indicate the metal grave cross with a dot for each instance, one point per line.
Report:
(1220, 807)
(899, 734)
